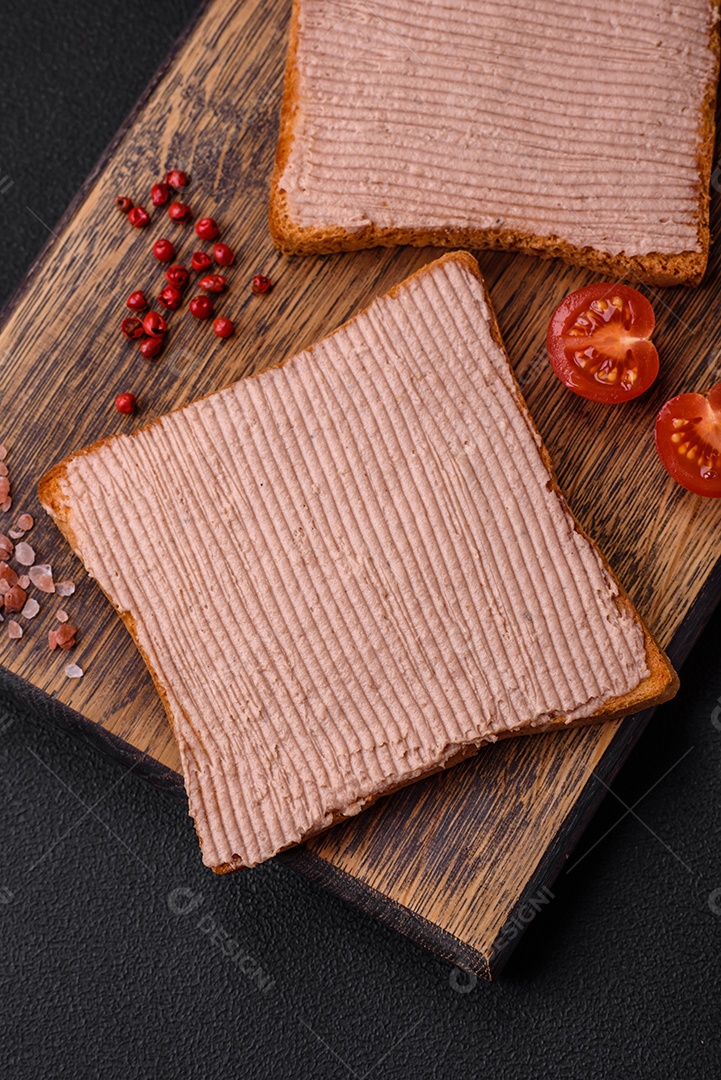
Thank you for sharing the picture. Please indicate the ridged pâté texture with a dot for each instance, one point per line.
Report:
(582, 130)
(353, 569)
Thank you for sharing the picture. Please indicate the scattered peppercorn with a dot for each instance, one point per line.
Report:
(138, 217)
(214, 283)
(126, 403)
(164, 250)
(223, 255)
(207, 228)
(170, 297)
(132, 328)
(177, 275)
(176, 179)
(179, 211)
(154, 325)
(152, 347)
(136, 301)
(159, 193)
(260, 284)
(200, 261)
(223, 327)
(201, 307)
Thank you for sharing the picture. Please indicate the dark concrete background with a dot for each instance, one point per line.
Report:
(123, 957)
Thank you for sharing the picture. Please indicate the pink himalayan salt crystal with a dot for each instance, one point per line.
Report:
(7, 504)
(52, 641)
(61, 615)
(15, 630)
(15, 598)
(16, 534)
(32, 607)
(8, 579)
(42, 577)
(6, 547)
(65, 588)
(73, 671)
(23, 581)
(24, 554)
(65, 635)
(3, 452)
(26, 522)
(4, 487)
(3, 469)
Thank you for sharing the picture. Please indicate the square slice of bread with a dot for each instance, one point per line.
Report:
(353, 569)
(582, 130)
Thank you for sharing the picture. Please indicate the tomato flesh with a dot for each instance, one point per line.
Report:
(598, 343)
(688, 441)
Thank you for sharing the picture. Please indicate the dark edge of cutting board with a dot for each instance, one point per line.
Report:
(574, 824)
(27, 699)
(30, 701)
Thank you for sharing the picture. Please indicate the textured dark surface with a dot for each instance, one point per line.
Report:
(123, 957)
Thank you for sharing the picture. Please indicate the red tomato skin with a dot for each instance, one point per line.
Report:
(693, 408)
(642, 322)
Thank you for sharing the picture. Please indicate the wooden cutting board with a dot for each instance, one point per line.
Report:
(456, 861)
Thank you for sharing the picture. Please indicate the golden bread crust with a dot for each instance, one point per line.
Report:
(659, 685)
(683, 268)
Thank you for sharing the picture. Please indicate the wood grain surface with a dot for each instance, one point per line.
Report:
(453, 861)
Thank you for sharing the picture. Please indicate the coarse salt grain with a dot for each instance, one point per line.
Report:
(8, 578)
(15, 630)
(23, 581)
(3, 469)
(26, 522)
(32, 607)
(16, 534)
(24, 554)
(65, 588)
(14, 599)
(61, 615)
(6, 548)
(42, 577)
(73, 671)
(6, 504)
(4, 487)
(3, 452)
(65, 635)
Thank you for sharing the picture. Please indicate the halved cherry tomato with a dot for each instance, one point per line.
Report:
(598, 343)
(688, 440)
